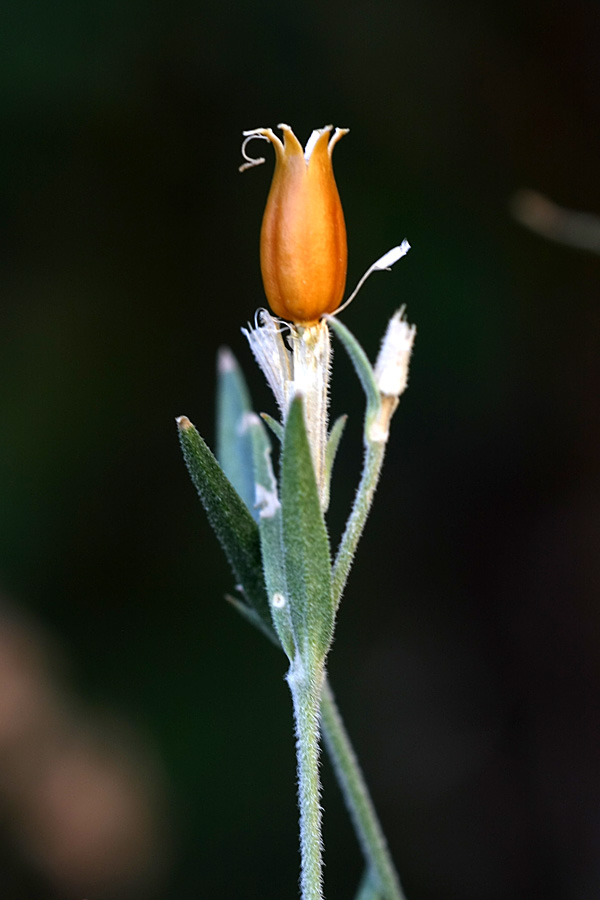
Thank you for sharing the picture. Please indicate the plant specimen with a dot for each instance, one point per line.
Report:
(273, 530)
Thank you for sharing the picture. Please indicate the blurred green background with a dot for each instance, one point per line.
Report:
(467, 652)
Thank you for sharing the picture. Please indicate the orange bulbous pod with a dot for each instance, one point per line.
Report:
(303, 247)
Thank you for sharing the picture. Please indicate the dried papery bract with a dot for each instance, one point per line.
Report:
(297, 360)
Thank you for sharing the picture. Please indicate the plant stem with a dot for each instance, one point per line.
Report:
(368, 888)
(374, 453)
(306, 687)
(357, 798)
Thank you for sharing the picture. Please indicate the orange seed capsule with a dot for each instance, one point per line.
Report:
(303, 248)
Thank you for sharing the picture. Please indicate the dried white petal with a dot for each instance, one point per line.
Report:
(392, 256)
(251, 161)
(383, 264)
(271, 354)
(302, 368)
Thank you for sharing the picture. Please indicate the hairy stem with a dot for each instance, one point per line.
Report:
(374, 453)
(368, 888)
(357, 798)
(305, 687)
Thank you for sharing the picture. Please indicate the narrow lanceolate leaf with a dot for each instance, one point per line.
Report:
(229, 517)
(362, 366)
(305, 543)
(275, 426)
(270, 530)
(234, 444)
(250, 615)
(333, 442)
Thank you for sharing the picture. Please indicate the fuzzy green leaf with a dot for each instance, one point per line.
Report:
(229, 517)
(333, 442)
(305, 543)
(275, 426)
(250, 615)
(270, 529)
(362, 366)
(234, 444)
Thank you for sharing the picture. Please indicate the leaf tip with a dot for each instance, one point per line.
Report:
(183, 423)
(226, 361)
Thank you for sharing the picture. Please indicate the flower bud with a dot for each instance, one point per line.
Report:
(303, 249)
(391, 368)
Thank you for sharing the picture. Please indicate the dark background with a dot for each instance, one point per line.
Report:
(467, 652)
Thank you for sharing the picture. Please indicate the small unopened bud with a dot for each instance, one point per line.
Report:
(391, 368)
